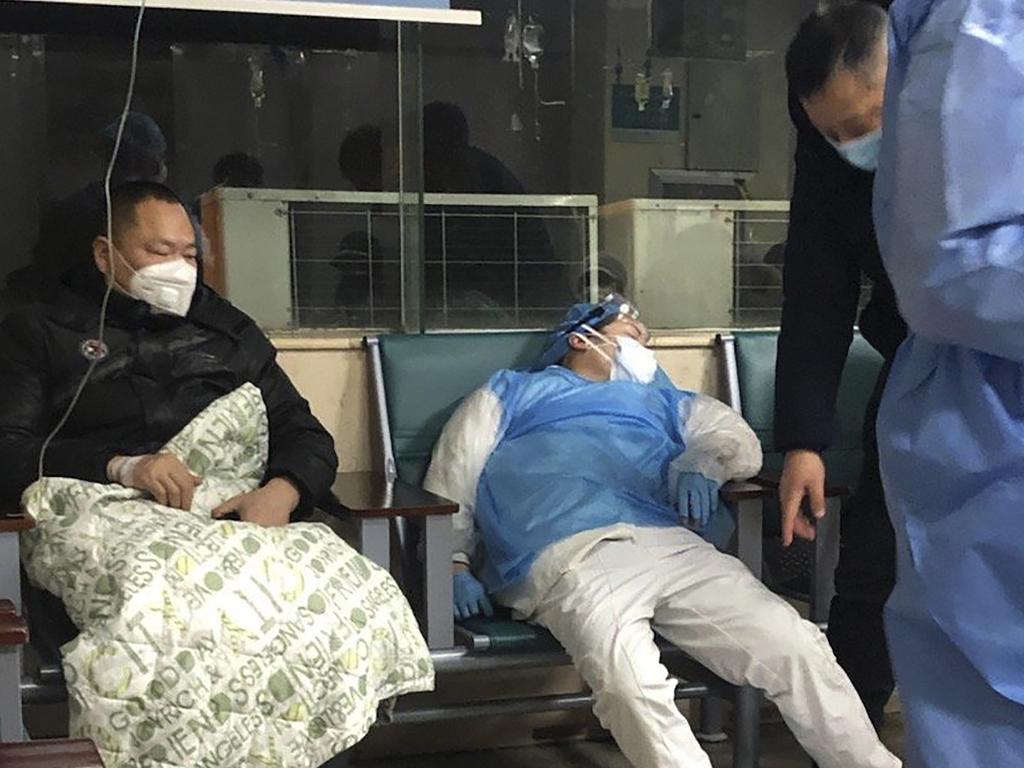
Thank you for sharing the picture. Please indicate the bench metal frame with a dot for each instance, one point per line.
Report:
(11, 725)
(826, 540)
(471, 654)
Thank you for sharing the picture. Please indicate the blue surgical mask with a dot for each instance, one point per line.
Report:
(862, 152)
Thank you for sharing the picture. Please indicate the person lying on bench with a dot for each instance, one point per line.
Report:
(171, 347)
(584, 487)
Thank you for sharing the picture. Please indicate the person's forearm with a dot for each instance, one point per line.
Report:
(286, 491)
(308, 466)
(813, 346)
(75, 458)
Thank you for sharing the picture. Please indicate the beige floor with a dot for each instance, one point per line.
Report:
(779, 750)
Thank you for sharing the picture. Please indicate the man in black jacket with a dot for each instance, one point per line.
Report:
(171, 346)
(836, 68)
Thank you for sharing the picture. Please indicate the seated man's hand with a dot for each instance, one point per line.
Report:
(269, 506)
(469, 595)
(697, 499)
(803, 477)
(162, 475)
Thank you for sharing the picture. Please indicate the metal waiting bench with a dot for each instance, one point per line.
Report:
(419, 380)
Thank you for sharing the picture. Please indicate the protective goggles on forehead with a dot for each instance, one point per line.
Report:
(611, 306)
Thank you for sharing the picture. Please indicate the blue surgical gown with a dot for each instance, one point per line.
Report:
(536, 458)
(949, 210)
(575, 455)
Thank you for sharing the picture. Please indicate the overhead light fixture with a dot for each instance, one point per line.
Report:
(425, 11)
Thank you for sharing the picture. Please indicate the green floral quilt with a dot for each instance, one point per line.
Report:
(214, 643)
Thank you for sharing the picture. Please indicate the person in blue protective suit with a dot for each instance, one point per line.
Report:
(949, 209)
(584, 487)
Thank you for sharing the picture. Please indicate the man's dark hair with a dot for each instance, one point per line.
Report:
(127, 197)
(359, 156)
(132, 164)
(445, 127)
(142, 152)
(847, 34)
(238, 169)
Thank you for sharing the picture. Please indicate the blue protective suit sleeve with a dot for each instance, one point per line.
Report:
(949, 194)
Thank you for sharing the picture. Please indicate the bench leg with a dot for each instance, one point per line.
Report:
(826, 557)
(749, 534)
(11, 728)
(712, 719)
(437, 565)
(375, 541)
(10, 569)
(746, 745)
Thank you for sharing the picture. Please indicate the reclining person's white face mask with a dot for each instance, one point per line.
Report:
(632, 362)
(167, 286)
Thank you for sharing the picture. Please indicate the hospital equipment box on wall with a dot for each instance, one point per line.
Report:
(309, 258)
(691, 263)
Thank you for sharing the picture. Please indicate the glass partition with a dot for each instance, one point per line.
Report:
(361, 175)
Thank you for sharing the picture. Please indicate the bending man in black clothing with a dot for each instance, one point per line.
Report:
(836, 68)
(171, 347)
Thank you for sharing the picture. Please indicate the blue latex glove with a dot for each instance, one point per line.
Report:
(469, 596)
(697, 499)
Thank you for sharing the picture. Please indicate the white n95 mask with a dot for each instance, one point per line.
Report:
(167, 286)
(633, 362)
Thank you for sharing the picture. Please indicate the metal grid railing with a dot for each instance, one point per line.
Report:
(509, 261)
(759, 239)
(758, 257)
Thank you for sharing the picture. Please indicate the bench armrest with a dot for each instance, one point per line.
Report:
(736, 491)
(14, 518)
(371, 495)
(770, 479)
(373, 502)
